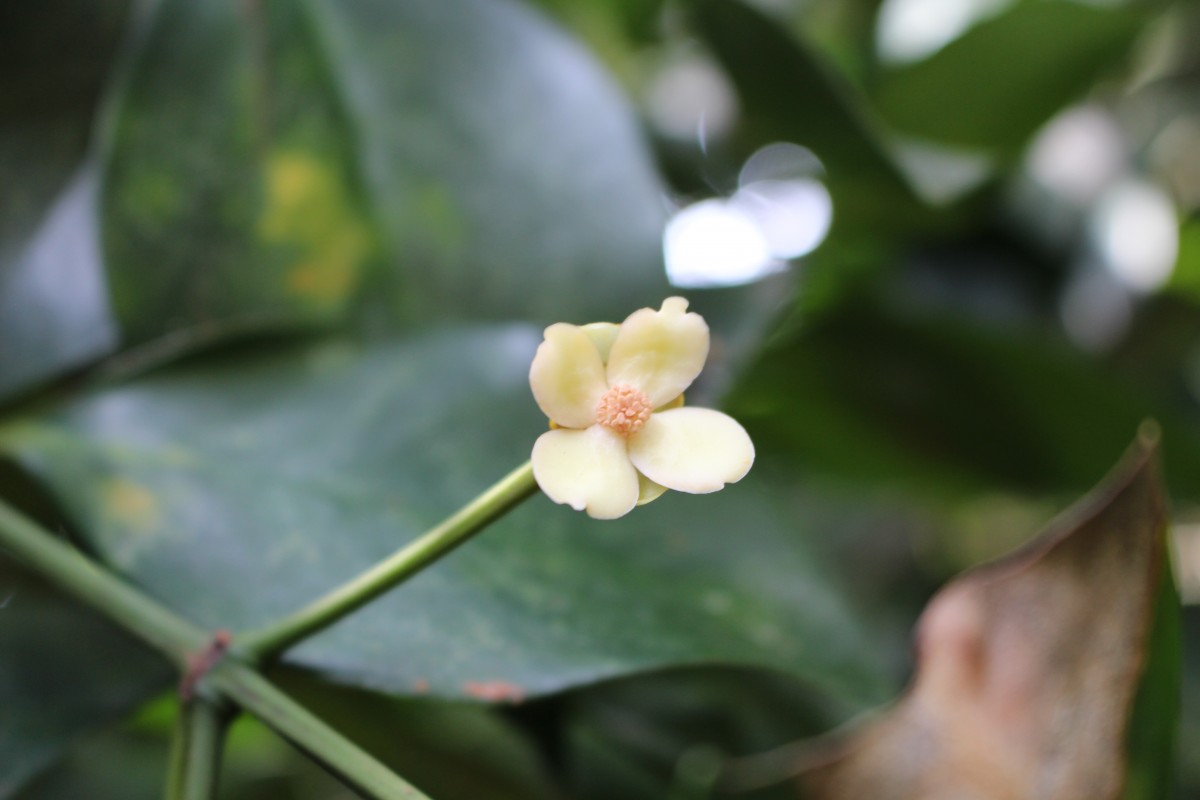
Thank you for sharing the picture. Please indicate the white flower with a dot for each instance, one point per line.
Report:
(613, 396)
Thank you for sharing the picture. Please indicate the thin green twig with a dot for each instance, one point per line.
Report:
(401, 565)
(179, 640)
(196, 751)
(75, 574)
(250, 690)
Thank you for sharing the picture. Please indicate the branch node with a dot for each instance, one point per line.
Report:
(198, 664)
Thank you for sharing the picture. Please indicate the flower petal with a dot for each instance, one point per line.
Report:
(695, 450)
(659, 352)
(586, 469)
(567, 376)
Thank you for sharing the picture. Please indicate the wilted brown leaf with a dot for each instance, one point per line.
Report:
(1027, 667)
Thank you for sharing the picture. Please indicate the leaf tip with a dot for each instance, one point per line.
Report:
(1149, 434)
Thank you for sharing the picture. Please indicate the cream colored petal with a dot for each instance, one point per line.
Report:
(659, 352)
(695, 450)
(586, 469)
(567, 376)
(648, 490)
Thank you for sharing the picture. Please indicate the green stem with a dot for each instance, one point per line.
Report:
(196, 751)
(177, 759)
(74, 573)
(260, 697)
(401, 565)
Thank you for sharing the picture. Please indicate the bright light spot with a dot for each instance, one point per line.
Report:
(780, 212)
(691, 97)
(1137, 234)
(1095, 309)
(792, 216)
(780, 161)
(1078, 154)
(908, 30)
(714, 243)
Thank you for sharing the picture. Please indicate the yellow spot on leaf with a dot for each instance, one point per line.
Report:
(309, 211)
(130, 505)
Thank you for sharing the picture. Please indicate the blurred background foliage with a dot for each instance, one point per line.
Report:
(271, 274)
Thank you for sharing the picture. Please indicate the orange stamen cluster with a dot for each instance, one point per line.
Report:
(623, 409)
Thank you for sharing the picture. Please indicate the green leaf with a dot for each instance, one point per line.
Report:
(112, 765)
(997, 83)
(789, 93)
(943, 404)
(1154, 722)
(640, 737)
(1185, 278)
(64, 671)
(54, 312)
(452, 751)
(237, 489)
(419, 156)
(230, 202)
(504, 166)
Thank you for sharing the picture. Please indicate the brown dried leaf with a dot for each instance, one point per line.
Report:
(1027, 667)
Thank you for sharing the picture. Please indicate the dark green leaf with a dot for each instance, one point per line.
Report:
(54, 313)
(238, 489)
(129, 760)
(504, 166)
(452, 751)
(602, 21)
(64, 671)
(996, 84)
(434, 158)
(950, 405)
(1186, 276)
(1154, 723)
(229, 197)
(640, 737)
(790, 94)
(113, 765)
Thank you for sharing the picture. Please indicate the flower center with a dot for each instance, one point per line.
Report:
(623, 409)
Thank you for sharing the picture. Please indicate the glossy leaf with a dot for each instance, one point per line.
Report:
(997, 83)
(948, 405)
(232, 203)
(791, 94)
(64, 671)
(451, 751)
(236, 489)
(54, 312)
(431, 158)
(504, 166)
